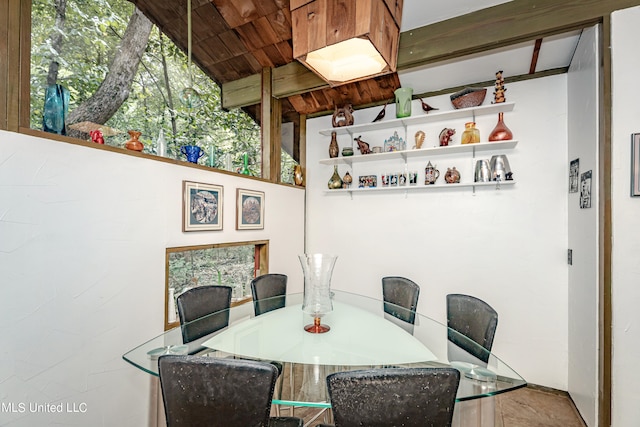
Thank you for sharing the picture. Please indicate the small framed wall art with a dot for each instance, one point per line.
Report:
(635, 164)
(249, 210)
(201, 206)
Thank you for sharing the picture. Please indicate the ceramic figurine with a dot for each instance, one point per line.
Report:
(96, 136)
(498, 95)
(381, 114)
(445, 136)
(431, 174)
(419, 139)
(426, 107)
(452, 176)
(343, 116)
(362, 146)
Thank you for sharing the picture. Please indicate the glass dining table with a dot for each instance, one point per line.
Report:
(361, 336)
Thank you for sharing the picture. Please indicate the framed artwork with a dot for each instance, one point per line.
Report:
(201, 206)
(574, 173)
(585, 190)
(635, 164)
(249, 210)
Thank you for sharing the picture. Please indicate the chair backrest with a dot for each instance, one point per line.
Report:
(196, 307)
(410, 397)
(400, 296)
(474, 319)
(266, 291)
(209, 391)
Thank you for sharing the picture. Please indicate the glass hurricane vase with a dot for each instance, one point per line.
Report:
(317, 269)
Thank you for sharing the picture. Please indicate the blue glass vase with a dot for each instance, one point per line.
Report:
(56, 106)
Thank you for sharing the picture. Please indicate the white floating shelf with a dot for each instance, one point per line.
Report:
(423, 152)
(432, 116)
(493, 184)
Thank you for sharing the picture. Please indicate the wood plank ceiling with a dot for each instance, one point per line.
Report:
(233, 39)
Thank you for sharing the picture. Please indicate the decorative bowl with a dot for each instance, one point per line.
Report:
(468, 97)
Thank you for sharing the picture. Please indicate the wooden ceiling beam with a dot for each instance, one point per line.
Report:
(502, 25)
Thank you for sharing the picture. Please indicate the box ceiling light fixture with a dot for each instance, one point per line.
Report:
(346, 40)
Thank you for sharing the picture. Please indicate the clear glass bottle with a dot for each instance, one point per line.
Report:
(471, 134)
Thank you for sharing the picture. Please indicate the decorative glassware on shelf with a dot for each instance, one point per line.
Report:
(317, 269)
(404, 96)
(335, 181)
(501, 132)
(134, 144)
(192, 153)
(245, 167)
(394, 143)
(333, 146)
(471, 134)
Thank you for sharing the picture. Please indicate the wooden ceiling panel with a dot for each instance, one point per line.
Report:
(230, 14)
(234, 39)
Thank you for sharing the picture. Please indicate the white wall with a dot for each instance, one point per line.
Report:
(626, 233)
(83, 234)
(583, 114)
(507, 247)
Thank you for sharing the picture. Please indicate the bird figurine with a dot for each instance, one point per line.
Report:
(381, 114)
(426, 107)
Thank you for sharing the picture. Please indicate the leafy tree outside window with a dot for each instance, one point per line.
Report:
(123, 74)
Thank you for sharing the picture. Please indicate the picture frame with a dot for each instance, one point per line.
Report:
(249, 209)
(202, 206)
(635, 164)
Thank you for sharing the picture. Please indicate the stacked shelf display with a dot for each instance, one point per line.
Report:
(472, 149)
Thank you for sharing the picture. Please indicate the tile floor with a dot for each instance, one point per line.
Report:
(526, 407)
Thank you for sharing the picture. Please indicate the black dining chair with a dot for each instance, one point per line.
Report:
(472, 325)
(410, 397)
(203, 310)
(213, 392)
(268, 292)
(400, 297)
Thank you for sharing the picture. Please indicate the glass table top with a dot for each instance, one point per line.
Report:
(362, 336)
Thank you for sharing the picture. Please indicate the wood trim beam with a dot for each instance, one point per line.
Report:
(502, 25)
(535, 55)
(270, 125)
(4, 61)
(10, 85)
(605, 315)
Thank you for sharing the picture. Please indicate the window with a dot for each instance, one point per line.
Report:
(228, 264)
(74, 47)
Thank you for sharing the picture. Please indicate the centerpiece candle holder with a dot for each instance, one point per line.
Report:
(317, 269)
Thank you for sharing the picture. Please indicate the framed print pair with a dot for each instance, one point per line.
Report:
(203, 207)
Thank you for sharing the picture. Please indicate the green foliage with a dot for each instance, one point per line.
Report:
(92, 33)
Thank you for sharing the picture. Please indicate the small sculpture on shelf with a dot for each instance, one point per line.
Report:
(362, 146)
(426, 107)
(452, 176)
(347, 179)
(419, 136)
(343, 116)
(498, 95)
(446, 135)
(431, 174)
(381, 114)
(133, 144)
(96, 136)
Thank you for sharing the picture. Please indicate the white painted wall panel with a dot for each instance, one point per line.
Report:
(507, 247)
(83, 234)
(625, 209)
